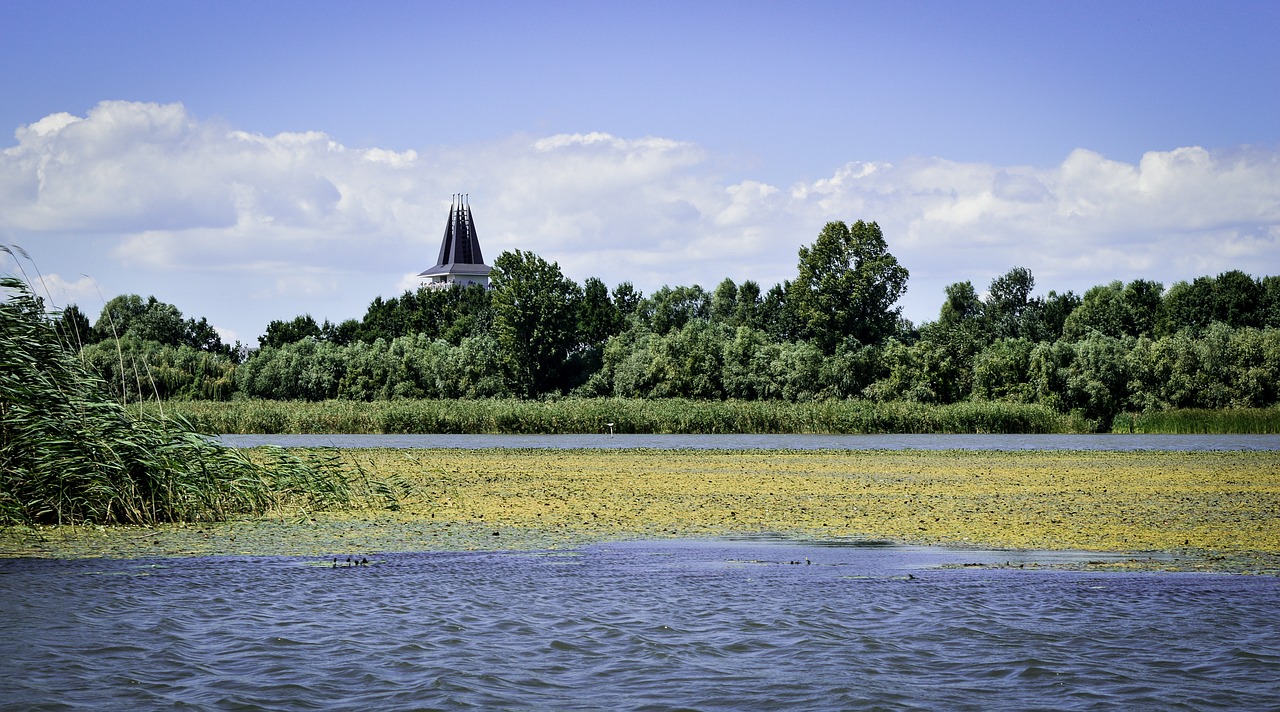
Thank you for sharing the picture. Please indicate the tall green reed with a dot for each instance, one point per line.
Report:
(70, 453)
(594, 415)
(1187, 421)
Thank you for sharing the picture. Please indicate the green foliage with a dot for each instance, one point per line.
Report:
(1190, 421)
(598, 316)
(1002, 372)
(70, 453)
(671, 308)
(451, 314)
(1117, 310)
(1233, 298)
(282, 333)
(847, 286)
(535, 312)
(152, 320)
(628, 415)
(74, 329)
(832, 333)
(1224, 368)
(134, 370)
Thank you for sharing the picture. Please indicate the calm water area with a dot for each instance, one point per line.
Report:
(774, 442)
(718, 625)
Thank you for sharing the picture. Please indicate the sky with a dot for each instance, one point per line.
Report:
(250, 161)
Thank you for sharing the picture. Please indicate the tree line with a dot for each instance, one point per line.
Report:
(832, 332)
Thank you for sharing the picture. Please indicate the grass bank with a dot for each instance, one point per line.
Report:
(586, 416)
(1217, 510)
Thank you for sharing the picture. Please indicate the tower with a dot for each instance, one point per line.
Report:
(460, 261)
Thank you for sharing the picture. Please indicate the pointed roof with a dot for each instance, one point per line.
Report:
(460, 248)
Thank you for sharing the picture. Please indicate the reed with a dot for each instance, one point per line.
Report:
(594, 415)
(1191, 421)
(71, 454)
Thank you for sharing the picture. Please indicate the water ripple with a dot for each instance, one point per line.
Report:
(706, 626)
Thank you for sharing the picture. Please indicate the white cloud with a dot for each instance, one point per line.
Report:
(82, 290)
(296, 214)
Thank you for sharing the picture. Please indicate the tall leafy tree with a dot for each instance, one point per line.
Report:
(598, 317)
(300, 328)
(670, 308)
(724, 302)
(1269, 309)
(74, 329)
(535, 310)
(748, 307)
(847, 285)
(777, 314)
(627, 298)
(1236, 298)
(1009, 303)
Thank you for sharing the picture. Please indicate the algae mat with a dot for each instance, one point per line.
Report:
(1218, 510)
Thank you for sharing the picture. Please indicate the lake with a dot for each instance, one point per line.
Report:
(774, 442)
(707, 625)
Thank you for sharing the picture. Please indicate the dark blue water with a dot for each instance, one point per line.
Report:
(711, 626)
(775, 442)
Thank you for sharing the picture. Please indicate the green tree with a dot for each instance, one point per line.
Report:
(201, 336)
(1009, 303)
(670, 308)
(535, 310)
(161, 323)
(1269, 309)
(280, 333)
(724, 303)
(1143, 303)
(627, 298)
(1188, 305)
(748, 305)
(1052, 314)
(1236, 300)
(777, 315)
(150, 320)
(1002, 371)
(119, 314)
(961, 307)
(341, 334)
(598, 317)
(1102, 310)
(1117, 310)
(847, 286)
(74, 329)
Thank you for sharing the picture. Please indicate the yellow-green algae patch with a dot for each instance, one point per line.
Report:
(1211, 510)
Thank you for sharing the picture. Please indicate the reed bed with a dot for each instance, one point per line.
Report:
(71, 454)
(587, 416)
(1194, 421)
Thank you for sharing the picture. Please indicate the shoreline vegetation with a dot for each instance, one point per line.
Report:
(1187, 511)
(81, 474)
(579, 416)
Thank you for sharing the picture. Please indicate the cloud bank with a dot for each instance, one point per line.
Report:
(298, 215)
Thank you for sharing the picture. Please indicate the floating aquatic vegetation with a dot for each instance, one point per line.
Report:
(1197, 504)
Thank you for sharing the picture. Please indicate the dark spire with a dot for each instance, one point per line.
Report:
(460, 257)
(460, 244)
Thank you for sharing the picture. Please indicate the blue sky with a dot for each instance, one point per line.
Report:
(254, 161)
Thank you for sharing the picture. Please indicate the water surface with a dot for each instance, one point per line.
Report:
(724, 625)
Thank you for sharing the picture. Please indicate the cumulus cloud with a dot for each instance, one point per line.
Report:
(297, 213)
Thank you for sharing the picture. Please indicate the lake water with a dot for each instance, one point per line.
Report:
(774, 442)
(724, 625)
